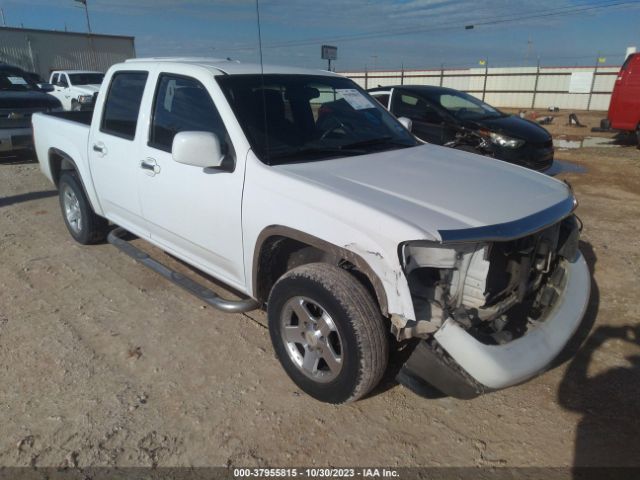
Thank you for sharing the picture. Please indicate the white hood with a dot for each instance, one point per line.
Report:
(436, 188)
(86, 89)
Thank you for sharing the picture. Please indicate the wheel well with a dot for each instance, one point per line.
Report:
(279, 254)
(58, 163)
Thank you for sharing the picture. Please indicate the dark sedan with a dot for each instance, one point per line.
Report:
(456, 119)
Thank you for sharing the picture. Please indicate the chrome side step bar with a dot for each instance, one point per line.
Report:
(115, 238)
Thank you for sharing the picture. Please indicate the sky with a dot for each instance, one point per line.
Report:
(372, 34)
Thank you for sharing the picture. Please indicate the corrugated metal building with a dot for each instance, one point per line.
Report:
(42, 51)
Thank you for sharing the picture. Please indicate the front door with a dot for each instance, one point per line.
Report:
(62, 91)
(428, 125)
(113, 150)
(191, 211)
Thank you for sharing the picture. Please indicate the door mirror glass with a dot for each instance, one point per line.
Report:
(406, 123)
(199, 149)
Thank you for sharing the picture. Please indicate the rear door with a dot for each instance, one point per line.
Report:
(113, 151)
(58, 89)
(191, 211)
(63, 90)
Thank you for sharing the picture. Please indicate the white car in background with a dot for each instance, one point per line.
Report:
(76, 89)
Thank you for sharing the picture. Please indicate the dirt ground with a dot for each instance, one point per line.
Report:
(102, 362)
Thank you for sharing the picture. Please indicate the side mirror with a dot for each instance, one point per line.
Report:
(199, 149)
(45, 87)
(406, 122)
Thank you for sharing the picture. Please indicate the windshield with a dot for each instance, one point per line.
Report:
(15, 81)
(464, 106)
(86, 78)
(310, 117)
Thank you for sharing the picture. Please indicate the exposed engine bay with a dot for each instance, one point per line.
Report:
(496, 291)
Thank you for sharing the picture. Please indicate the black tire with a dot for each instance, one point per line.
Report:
(638, 135)
(91, 228)
(364, 345)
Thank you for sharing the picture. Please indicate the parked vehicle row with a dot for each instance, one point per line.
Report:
(444, 116)
(23, 93)
(301, 192)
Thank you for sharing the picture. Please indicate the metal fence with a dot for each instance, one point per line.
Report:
(578, 88)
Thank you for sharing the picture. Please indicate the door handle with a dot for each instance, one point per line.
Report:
(100, 149)
(150, 166)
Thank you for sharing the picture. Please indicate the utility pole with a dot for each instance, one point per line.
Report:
(4, 24)
(86, 12)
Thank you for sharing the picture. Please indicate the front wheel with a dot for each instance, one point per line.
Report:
(327, 332)
(83, 224)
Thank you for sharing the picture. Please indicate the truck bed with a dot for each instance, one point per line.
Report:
(63, 134)
(80, 117)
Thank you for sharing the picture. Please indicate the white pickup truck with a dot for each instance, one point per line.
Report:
(76, 89)
(303, 194)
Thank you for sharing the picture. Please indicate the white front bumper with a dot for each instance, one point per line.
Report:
(500, 366)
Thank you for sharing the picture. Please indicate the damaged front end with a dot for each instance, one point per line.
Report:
(488, 296)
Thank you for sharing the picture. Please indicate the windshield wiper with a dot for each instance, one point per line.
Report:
(304, 153)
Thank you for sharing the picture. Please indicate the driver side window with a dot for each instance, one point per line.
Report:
(183, 104)
(63, 81)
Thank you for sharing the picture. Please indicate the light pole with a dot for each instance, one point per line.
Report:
(86, 12)
(93, 52)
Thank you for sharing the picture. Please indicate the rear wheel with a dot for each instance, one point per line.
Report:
(83, 224)
(327, 332)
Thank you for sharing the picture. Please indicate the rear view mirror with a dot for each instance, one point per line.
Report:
(199, 149)
(406, 123)
(45, 87)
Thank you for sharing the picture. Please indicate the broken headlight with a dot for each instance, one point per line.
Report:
(504, 141)
(441, 279)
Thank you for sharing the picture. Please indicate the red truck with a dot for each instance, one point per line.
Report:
(624, 109)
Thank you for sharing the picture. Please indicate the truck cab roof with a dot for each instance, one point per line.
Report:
(227, 67)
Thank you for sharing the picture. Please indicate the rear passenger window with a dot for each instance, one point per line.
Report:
(122, 104)
(183, 105)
